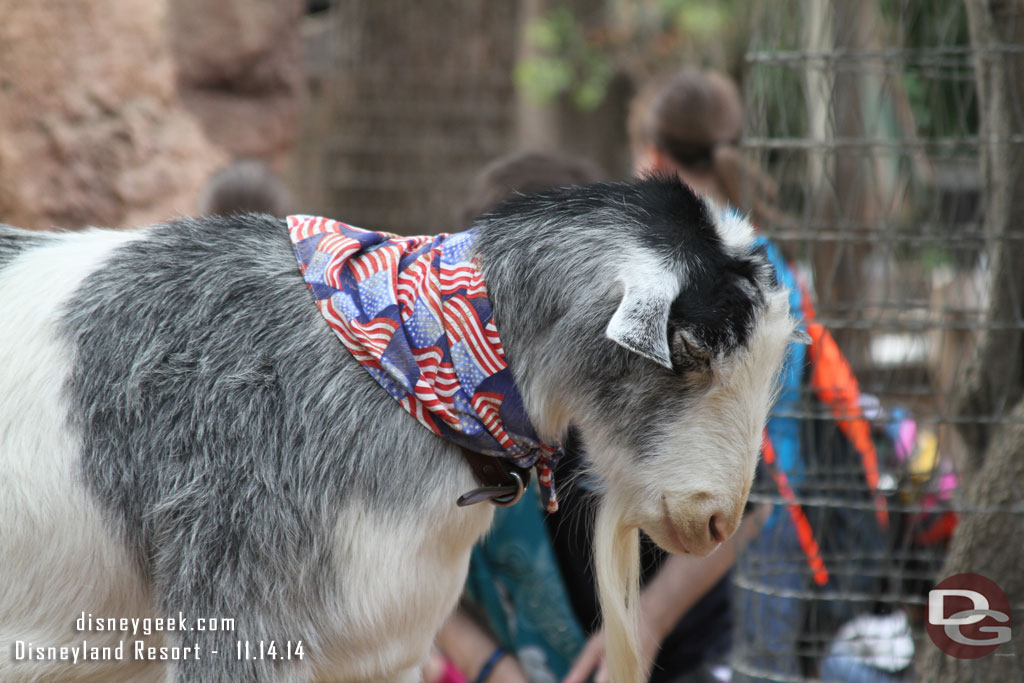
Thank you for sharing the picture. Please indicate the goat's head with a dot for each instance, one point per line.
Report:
(705, 333)
(663, 331)
(658, 330)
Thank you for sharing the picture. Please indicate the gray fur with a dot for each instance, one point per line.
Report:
(551, 279)
(220, 418)
(567, 337)
(14, 241)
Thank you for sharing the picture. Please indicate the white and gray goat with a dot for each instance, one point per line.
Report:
(182, 436)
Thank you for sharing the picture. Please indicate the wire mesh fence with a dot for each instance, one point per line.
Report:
(867, 116)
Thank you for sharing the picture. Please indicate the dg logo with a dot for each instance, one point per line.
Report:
(968, 616)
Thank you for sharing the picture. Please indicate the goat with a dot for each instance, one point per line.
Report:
(182, 435)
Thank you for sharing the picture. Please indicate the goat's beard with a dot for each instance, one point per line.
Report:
(617, 565)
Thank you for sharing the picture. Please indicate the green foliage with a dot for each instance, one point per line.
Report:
(544, 78)
(568, 61)
(938, 69)
(701, 19)
(637, 37)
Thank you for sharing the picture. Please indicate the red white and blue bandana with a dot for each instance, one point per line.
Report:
(414, 312)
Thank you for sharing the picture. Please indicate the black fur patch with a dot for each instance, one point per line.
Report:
(715, 305)
(718, 304)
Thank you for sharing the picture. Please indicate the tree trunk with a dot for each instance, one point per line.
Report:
(987, 542)
(850, 200)
(988, 539)
(995, 379)
(560, 125)
(415, 99)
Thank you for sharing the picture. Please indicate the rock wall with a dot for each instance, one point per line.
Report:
(97, 127)
(240, 72)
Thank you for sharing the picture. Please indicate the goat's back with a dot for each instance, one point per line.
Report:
(180, 430)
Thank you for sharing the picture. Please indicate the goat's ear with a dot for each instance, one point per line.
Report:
(641, 323)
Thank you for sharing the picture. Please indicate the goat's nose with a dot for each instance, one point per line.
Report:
(720, 526)
(716, 534)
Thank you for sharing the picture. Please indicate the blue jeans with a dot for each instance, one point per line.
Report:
(769, 625)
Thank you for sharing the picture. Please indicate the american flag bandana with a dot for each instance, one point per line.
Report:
(414, 312)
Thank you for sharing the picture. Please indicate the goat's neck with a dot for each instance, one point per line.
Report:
(548, 301)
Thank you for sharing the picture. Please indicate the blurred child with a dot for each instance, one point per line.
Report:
(245, 186)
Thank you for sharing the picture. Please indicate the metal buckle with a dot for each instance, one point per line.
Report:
(502, 496)
(513, 497)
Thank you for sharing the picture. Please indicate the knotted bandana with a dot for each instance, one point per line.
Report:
(414, 312)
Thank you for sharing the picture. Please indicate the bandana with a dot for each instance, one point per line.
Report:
(414, 312)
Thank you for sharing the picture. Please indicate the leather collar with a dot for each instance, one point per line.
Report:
(501, 481)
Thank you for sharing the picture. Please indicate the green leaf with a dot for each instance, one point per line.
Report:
(589, 95)
(701, 20)
(543, 35)
(543, 78)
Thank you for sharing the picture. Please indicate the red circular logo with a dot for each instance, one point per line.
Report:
(968, 616)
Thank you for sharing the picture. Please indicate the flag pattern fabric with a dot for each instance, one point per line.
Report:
(414, 312)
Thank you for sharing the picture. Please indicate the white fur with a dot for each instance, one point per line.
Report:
(617, 568)
(706, 463)
(736, 231)
(704, 467)
(412, 578)
(52, 536)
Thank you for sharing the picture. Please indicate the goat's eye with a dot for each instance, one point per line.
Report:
(690, 361)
